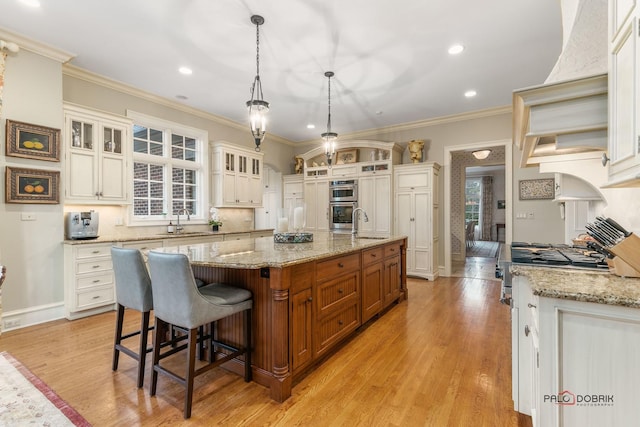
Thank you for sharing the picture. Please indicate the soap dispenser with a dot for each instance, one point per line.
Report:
(170, 227)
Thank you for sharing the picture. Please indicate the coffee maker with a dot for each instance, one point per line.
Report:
(81, 225)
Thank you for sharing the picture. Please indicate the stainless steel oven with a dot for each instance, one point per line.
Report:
(343, 191)
(341, 215)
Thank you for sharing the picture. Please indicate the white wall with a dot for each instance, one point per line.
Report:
(32, 250)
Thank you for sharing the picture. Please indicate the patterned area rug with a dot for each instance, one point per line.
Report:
(26, 400)
(482, 248)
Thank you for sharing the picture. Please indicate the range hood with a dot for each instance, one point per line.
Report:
(560, 118)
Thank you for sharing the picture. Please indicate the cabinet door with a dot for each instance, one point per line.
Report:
(382, 208)
(372, 291)
(322, 204)
(82, 181)
(391, 280)
(422, 232)
(113, 175)
(367, 201)
(405, 224)
(229, 189)
(301, 317)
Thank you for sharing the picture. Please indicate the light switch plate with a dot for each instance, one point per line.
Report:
(27, 216)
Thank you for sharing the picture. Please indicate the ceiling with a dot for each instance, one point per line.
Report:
(389, 56)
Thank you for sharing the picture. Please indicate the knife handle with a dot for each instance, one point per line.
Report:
(618, 227)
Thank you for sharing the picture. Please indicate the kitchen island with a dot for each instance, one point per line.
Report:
(308, 297)
(576, 342)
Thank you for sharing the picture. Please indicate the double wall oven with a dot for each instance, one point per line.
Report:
(343, 199)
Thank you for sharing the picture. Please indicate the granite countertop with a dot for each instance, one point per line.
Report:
(160, 236)
(264, 252)
(599, 287)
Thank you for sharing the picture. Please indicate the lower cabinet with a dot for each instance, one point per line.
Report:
(331, 298)
(88, 278)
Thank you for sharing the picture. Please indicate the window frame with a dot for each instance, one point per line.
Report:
(201, 167)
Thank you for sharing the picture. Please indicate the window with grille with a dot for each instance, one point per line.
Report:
(169, 170)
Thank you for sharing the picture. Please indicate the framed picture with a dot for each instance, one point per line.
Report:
(537, 189)
(344, 157)
(32, 186)
(32, 141)
(501, 204)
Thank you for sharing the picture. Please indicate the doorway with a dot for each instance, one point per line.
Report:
(456, 161)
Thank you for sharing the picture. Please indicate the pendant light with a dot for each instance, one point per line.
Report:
(329, 137)
(258, 107)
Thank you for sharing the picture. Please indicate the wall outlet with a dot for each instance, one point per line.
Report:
(11, 323)
(27, 216)
(118, 221)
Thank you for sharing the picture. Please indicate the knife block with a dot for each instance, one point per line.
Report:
(620, 268)
(629, 252)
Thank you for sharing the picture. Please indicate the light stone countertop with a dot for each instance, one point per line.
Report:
(581, 285)
(160, 236)
(264, 252)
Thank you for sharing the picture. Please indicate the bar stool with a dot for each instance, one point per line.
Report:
(133, 291)
(178, 301)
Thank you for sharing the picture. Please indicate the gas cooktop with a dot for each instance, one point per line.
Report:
(555, 254)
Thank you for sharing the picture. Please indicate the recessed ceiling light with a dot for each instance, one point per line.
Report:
(185, 70)
(379, 113)
(31, 3)
(455, 49)
(311, 126)
(470, 93)
(182, 97)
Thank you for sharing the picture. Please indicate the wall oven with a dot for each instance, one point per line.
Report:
(343, 191)
(340, 215)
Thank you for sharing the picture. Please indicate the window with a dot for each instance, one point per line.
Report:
(473, 200)
(169, 170)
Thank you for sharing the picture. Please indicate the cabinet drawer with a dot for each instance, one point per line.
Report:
(94, 265)
(332, 329)
(331, 294)
(372, 255)
(85, 281)
(336, 266)
(143, 245)
(95, 298)
(392, 250)
(93, 251)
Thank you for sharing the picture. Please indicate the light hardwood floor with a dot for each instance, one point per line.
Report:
(442, 358)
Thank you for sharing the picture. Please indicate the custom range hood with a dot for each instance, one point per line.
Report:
(560, 118)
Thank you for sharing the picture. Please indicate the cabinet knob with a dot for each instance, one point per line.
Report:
(531, 305)
(340, 322)
(310, 299)
(341, 265)
(605, 159)
(526, 330)
(340, 290)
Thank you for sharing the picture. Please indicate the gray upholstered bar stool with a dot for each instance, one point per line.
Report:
(133, 290)
(178, 301)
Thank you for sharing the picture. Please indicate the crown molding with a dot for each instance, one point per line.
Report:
(375, 133)
(36, 47)
(82, 74)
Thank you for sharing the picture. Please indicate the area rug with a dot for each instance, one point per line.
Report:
(484, 249)
(25, 400)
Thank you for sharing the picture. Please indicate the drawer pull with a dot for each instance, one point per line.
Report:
(392, 249)
(526, 330)
(341, 265)
(95, 252)
(96, 266)
(531, 305)
(373, 255)
(340, 322)
(96, 297)
(96, 281)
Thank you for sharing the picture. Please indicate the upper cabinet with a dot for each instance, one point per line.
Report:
(559, 119)
(624, 135)
(96, 147)
(236, 176)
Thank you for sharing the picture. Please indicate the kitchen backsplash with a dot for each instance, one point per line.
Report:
(233, 220)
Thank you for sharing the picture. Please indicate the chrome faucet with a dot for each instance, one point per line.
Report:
(178, 226)
(354, 231)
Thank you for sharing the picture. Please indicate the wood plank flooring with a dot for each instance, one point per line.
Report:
(442, 358)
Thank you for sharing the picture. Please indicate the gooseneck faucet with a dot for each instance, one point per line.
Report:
(354, 215)
(178, 226)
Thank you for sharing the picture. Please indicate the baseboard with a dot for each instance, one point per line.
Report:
(17, 319)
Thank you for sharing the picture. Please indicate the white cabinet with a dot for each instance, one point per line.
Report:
(293, 193)
(316, 198)
(624, 91)
(267, 215)
(374, 196)
(236, 176)
(416, 216)
(89, 286)
(96, 150)
(576, 363)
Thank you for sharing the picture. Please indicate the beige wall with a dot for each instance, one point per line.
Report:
(31, 250)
